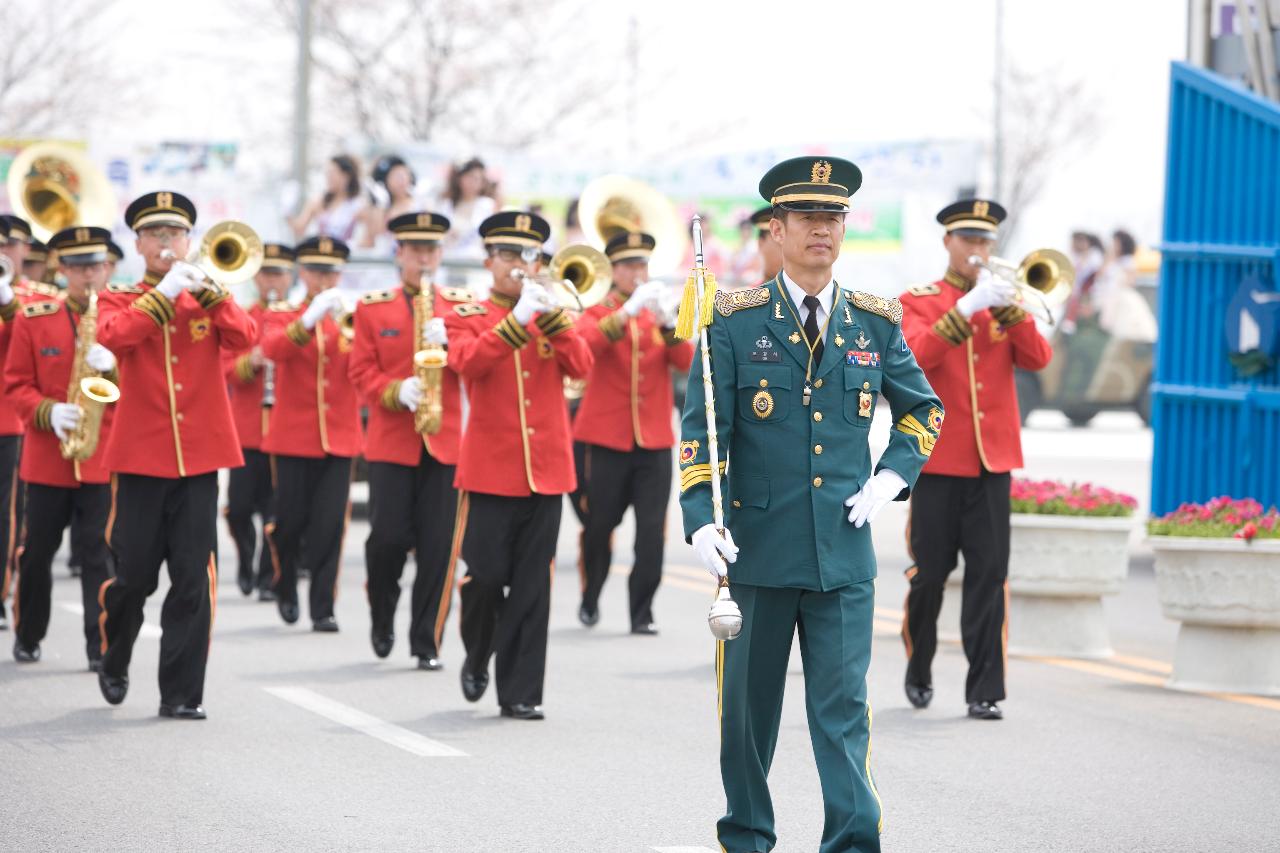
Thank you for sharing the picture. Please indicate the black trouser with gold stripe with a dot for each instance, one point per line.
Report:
(640, 479)
(951, 516)
(249, 493)
(509, 544)
(10, 512)
(163, 520)
(412, 508)
(312, 502)
(51, 509)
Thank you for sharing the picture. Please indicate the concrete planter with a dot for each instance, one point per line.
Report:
(1226, 594)
(1060, 566)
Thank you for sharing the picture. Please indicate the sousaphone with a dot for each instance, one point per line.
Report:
(615, 204)
(54, 185)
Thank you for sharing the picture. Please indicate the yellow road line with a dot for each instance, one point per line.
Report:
(1143, 663)
(1102, 669)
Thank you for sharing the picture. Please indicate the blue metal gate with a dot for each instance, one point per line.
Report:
(1217, 430)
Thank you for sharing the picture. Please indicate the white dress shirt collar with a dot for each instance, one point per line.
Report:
(825, 298)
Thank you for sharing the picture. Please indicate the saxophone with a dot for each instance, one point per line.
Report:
(89, 390)
(428, 363)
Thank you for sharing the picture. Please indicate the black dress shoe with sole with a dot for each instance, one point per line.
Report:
(288, 610)
(918, 695)
(985, 711)
(95, 664)
(183, 712)
(325, 625)
(474, 684)
(521, 711)
(266, 595)
(26, 654)
(430, 663)
(245, 582)
(114, 687)
(588, 616)
(382, 644)
(647, 629)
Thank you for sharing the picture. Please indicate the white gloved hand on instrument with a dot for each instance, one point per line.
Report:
(534, 299)
(64, 417)
(181, 276)
(434, 333)
(872, 497)
(100, 359)
(6, 290)
(324, 302)
(988, 292)
(646, 295)
(713, 550)
(410, 393)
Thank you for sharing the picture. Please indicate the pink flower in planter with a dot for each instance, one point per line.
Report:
(1247, 532)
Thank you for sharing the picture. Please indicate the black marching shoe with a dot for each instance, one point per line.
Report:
(382, 643)
(648, 629)
(245, 582)
(288, 610)
(474, 684)
(26, 654)
(183, 712)
(430, 663)
(266, 595)
(325, 625)
(985, 711)
(521, 711)
(588, 616)
(919, 695)
(114, 687)
(4, 619)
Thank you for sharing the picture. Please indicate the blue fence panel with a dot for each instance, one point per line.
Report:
(1216, 432)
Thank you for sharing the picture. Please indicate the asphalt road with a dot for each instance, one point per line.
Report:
(313, 744)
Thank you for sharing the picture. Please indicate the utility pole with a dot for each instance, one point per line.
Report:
(998, 146)
(633, 87)
(302, 102)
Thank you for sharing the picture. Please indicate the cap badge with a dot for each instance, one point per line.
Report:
(82, 235)
(981, 209)
(326, 246)
(633, 240)
(424, 220)
(524, 223)
(821, 172)
(164, 199)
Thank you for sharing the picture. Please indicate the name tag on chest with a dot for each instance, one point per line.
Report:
(50, 351)
(388, 333)
(766, 355)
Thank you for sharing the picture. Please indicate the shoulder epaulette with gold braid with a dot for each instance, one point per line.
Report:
(456, 294)
(470, 309)
(890, 309)
(116, 287)
(40, 309)
(924, 290)
(282, 305)
(376, 297)
(729, 301)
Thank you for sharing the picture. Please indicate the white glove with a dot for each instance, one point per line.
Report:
(410, 393)
(435, 332)
(64, 417)
(6, 291)
(181, 276)
(713, 550)
(988, 292)
(322, 303)
(534, 299)
(100, 359)
(646, 295)
(871, 498)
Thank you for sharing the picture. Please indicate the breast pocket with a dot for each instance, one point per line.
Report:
(861, 388)
(764, 392)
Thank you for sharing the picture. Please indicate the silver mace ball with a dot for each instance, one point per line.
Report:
(725, 619)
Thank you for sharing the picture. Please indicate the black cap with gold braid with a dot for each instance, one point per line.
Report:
(419, 227)
(163, 207)
(17, 228)
(38, 253)
(760, 219)
(515, 229)
(322, 252)
(114, 253)
(277, 256)
(972, 217)
(81, 246)
(811, 184)
(635, 245)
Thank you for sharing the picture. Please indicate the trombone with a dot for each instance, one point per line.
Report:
(231, 252)
(1043, 280)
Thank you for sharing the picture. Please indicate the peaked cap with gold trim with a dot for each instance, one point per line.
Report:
(16, 228)
(278, 256)
(81, 246)
(322, 252)
(163, 207)
(811, 184)
(972, 217)
(515, 229)
(419, 227)
(630, 246)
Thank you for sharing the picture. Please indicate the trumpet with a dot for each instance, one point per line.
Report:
(231, 252)
(1043, 280)
(345, 317)
(578, 277)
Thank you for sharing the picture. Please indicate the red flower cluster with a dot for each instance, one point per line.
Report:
(1219, 518)
(1050, 497)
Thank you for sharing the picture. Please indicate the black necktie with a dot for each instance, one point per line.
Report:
(811, 328)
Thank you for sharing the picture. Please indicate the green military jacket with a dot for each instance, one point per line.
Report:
(790, 466)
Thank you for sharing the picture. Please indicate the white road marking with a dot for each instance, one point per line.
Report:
(366, 723)
(151, 632)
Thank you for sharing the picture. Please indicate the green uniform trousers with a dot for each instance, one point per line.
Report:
(835, 644)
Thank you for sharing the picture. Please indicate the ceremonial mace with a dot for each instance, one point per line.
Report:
(724, 619)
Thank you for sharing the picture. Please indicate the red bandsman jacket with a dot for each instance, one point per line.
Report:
(244, 387)
(516, 441)
(37, 374)
(24, 292)
(316, 411)
(970, 365)
(174, 413)
(628, 400)
(382, 358)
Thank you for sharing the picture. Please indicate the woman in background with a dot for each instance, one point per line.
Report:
(393, 194)
(468, 200)
(336, 213)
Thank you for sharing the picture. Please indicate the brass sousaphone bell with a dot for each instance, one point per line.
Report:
(54, 186)
(614, 204)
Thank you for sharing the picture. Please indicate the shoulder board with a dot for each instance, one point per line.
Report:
(116, 287)
(456, 294)
(470, 309)
(890, 309)
(47, 289)
(376, 297)
(728, 301)
(40, 309)
(282, 305)
(924, 290)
